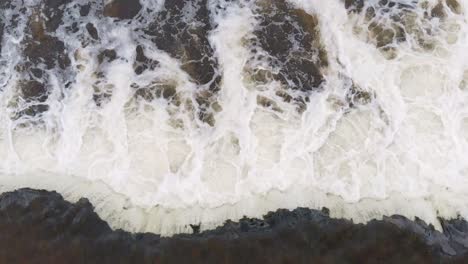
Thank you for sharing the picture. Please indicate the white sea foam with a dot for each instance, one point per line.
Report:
(403, 153)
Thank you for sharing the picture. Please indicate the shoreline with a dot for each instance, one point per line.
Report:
(41, 225)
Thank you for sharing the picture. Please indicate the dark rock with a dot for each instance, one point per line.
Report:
(53, 11)
(84, 9)
(73, 28)
(355, 95)
(195, 229)
(40, 47)
(355, 5)
(40, 227)
(143, 63)
(390, 23)
(159, 90)
(268, 103)
(454, 6)
(456, 232)
(291, 38)
(438, 11)
(36, 73)
(382, 34)
(186, 39)
(42, 51)
(108, 55)
(5, 4)
(101, 97)
(92, 31)
(34, 93)
(49, 51)
(123, 9)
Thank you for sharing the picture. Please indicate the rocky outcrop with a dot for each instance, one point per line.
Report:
(123, 9)
(182, 29)
(42, 51)
(291, 39)
(40, 227)
(390, 23)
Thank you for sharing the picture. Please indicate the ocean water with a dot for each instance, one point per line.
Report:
(199, 112)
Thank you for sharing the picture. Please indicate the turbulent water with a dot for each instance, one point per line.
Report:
(170, 113)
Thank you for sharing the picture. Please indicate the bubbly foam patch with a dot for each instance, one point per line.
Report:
(156, 144)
